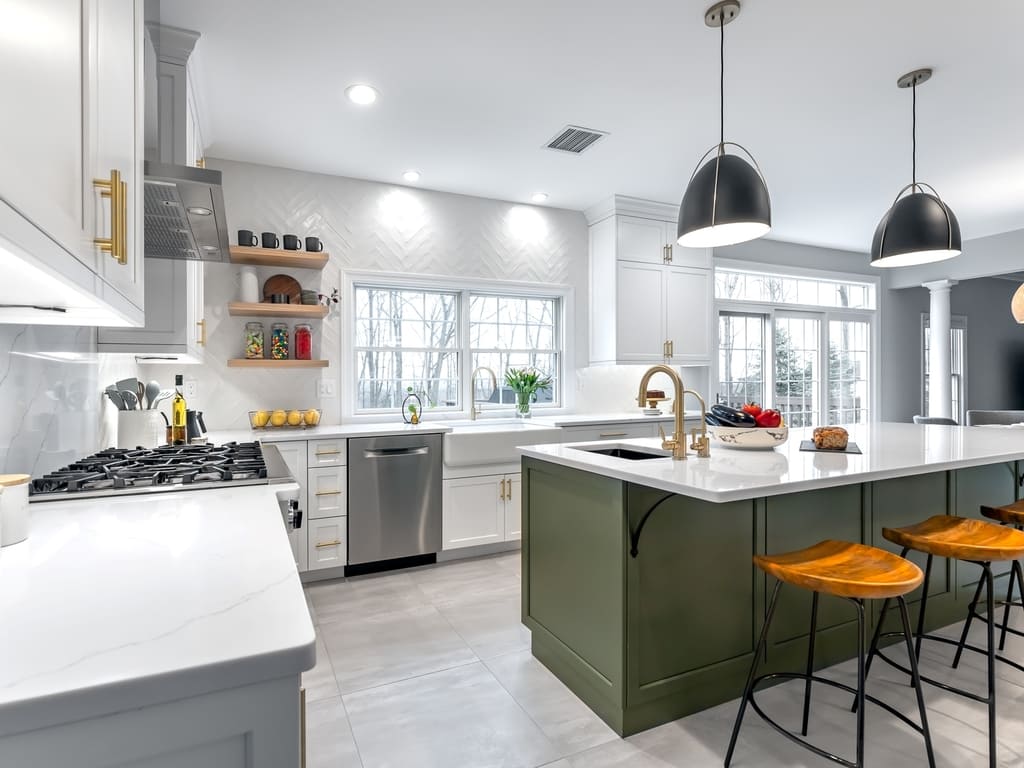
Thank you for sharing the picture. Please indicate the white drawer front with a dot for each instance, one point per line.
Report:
(326, 491)
(327, 542)
(611, 432)
(327, 453)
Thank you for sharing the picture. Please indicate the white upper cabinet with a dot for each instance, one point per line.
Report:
(72, 92)
(651, 300)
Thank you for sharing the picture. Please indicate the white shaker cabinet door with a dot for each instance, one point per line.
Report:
(689, 314)
(43, 138)
(328, 545)
(326, 492)
(640, 240)
(473, 511)
(641, 313)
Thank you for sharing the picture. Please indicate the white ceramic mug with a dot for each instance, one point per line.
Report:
(14, 508)
(137, 429)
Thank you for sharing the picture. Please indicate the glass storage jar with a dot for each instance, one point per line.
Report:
(254, 341)
(303, 341)
(279, 341)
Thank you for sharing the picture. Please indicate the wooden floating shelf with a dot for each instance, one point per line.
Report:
(270, 363)
(266, 309)
(273, 257)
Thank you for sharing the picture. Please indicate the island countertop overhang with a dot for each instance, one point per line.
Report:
(889, 450)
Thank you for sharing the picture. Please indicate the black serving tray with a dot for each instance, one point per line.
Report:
(808, 445)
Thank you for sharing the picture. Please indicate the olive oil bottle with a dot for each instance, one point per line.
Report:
(178, 409)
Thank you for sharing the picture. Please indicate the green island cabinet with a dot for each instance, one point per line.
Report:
(647, 639)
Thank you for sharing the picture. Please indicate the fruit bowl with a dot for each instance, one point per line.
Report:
(749, 438)
(294, 418)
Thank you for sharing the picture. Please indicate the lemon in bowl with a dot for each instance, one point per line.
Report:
(260, 418)
(294, 418)
(311, 417)
(278, 418)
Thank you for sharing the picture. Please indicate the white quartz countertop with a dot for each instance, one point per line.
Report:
(283, 434)
(588, 419)
(889, 450)
(125, 601)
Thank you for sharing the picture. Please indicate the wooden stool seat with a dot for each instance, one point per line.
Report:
(845, 569)
(1008, 513)
(961, 538)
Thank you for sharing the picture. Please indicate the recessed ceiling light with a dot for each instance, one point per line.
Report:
(361, 94)
(198, 210)
(539, 197)
(411, 176)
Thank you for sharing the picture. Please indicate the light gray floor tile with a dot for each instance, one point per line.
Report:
(464, 579)
(384, 647)
(329, 742)
(491, 624)
(319, 681)
(569, 723)
(364, 596)
(460, 718)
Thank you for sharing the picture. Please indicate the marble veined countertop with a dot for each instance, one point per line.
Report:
(126, 601)
(889, 450)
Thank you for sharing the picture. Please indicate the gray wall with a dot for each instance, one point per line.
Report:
(995, 343)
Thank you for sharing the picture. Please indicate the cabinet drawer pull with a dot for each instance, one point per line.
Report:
(328, 493)
(671, 348)
(668, 248)
(612, 434)
(508, 494)
(327, 453)
(502, 496)
(202, 332)
(116, 191)
(322, 544)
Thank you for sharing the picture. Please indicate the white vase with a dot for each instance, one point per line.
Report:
(249, 286)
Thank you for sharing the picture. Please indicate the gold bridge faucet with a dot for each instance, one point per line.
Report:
(677, 443)
(473, 410)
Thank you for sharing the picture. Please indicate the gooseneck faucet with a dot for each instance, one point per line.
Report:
(473, 410)
(677, 443)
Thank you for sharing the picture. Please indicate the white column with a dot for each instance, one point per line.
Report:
(940, 385)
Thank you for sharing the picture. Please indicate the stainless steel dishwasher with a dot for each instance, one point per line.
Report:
(394, 497)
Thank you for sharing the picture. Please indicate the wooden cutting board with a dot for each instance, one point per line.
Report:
(283, 284)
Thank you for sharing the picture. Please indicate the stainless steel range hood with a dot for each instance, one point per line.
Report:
(184, 205)
(184, 213)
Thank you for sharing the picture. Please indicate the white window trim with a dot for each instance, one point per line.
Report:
(351, 278)
(851, 313)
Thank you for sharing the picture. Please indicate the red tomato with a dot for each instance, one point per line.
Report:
(752, 408)
(768, 418)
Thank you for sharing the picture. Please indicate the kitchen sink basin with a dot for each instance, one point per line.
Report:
(626, 453)
(494, 441)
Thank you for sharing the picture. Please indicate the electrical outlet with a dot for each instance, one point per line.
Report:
(191, 389)
(328, 387)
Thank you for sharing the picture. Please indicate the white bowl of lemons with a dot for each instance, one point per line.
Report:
(306, 417)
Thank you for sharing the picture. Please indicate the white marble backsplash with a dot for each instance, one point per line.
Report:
(613, 388)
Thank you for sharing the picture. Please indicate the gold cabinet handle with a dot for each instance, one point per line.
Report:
(327, 453)
(116, 191)
(322, 544)
(668, 250)
(502, 490)
(508, 494)
(328, 493)
(671, 348)
(202, 332)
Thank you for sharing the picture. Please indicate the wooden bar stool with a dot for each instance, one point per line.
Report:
(856, 572)
(1013, 515)
(973, 541)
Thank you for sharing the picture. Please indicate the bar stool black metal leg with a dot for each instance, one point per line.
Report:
(874, 642)
(1014, 579)
(758, 652)
(924, 604)
(916, 680)
(967, 624)
(861, 628)
(810, 662)
(991, 609)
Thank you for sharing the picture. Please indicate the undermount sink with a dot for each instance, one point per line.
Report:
(493, 441)
(619, 452)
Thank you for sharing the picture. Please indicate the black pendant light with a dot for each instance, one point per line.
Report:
(726, 201)
(919, 228)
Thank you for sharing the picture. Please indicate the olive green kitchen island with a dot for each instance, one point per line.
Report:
(638, 584)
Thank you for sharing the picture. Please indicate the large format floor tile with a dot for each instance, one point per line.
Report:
(464, 579)
(363, 596)
(329, 742)
(319, 682)
(384, 647)
(491, 624)
(460, 718)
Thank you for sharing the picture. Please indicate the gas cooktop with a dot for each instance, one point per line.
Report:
(167, 468)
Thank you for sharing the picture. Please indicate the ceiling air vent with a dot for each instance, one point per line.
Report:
(574, 139)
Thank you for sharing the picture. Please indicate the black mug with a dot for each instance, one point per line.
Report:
(313, 245)
(270, 240)
(248, 238)
(292, 242)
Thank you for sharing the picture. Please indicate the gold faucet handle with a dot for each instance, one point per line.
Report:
(702, 444)
(666, 442)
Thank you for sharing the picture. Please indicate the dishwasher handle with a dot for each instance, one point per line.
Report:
(384, 453)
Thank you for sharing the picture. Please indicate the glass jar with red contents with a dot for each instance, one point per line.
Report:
(303, 341)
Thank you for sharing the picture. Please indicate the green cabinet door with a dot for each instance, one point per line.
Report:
(991, 485)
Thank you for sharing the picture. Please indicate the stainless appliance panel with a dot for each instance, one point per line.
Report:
(394, 497)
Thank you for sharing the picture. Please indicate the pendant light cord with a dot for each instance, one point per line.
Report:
(913, 137)
(721, 83)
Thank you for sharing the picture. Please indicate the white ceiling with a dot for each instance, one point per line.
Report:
(472, 89)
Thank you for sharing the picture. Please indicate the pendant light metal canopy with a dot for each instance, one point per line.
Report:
(726, 200)
(919, 228)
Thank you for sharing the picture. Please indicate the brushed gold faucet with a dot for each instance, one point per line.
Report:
(473, 410)
(677, 443)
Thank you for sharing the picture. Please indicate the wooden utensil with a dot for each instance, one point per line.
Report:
(285, 284)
